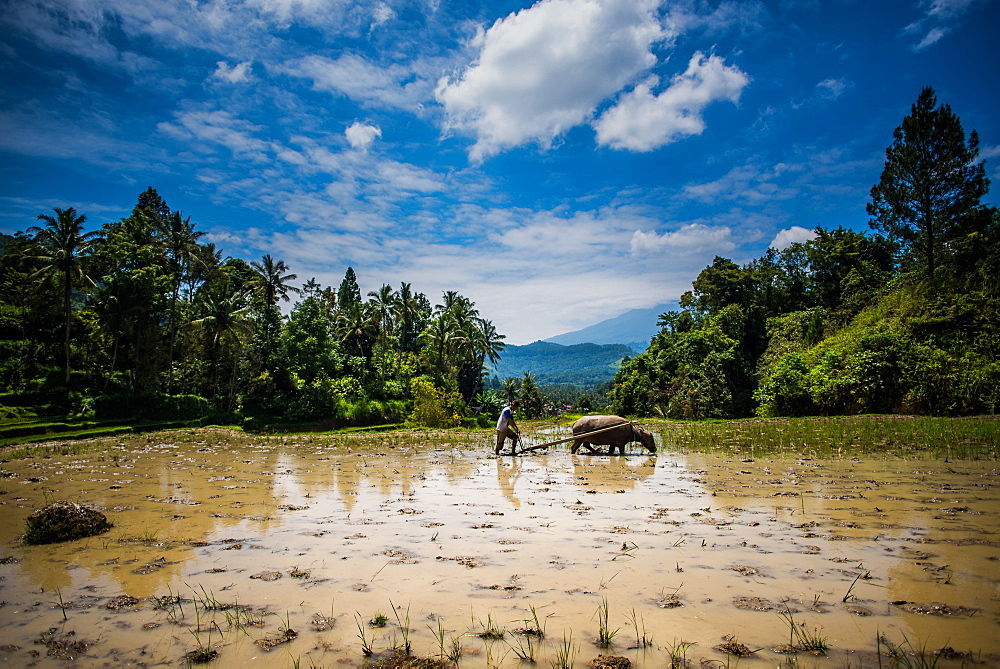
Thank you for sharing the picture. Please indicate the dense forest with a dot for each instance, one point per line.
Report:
(141, 319)
(905, 319)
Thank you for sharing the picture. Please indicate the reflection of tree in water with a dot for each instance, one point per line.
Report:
(611, 473)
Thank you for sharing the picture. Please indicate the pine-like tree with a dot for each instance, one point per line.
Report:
(349, 292)
(931, 182)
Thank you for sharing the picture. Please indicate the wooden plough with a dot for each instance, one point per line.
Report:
(565, 439)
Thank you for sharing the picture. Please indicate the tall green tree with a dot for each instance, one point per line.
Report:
(931, 182)
(226, 316)
(270, 283)
(62, 246)
(272, 280)
(349, 291)
(531, 398)
(181, 245)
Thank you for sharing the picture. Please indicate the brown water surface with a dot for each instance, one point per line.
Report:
(258, 536)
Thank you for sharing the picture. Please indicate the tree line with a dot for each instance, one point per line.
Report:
(142, 318)
(904, 319)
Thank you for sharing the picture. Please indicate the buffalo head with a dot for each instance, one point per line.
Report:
(645, 437)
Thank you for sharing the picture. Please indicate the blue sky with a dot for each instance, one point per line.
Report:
(558, 162)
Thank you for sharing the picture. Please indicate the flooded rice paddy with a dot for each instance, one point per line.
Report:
(316, 551)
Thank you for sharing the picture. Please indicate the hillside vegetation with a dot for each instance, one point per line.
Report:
(903, 320)
(553, 364)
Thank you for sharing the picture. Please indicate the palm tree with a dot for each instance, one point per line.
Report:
(383, 301)
(491, 344)
(357, 328)
(452, 298)
(181, 245)
(405, 309)
(208, 258)
(63, 245)
(271, 282)
(439, 338)
(226, 313)
(508, 388)
(487, 344)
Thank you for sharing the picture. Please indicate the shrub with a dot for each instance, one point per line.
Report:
(432, 407)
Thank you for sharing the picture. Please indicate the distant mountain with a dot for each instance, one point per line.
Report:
(634, 328)
(579, 364)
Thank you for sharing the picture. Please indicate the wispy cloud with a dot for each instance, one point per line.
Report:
(364, 81)
(749, 183)
(940, 18)
(831, 88)
(218, 128)
(235, 74)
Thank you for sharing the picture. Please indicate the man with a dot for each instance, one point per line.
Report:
(507, 426)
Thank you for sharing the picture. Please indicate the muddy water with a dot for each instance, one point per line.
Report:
(227, 542)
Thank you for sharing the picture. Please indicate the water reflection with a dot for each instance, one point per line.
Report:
(508, 473)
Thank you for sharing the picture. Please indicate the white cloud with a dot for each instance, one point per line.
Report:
(217, 127)
(941, 16)
(789, 236)
(642, 121)
(383, 13)
(933, 36)
(363, 80)
(361, 135)
(545, 69)
(748, 183)
(832, 89)
(747, 16)
(396, 176)
(235, 74)
(691, 238)
(949, 8)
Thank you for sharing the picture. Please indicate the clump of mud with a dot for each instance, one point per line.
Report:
(734, 647)
(397, 659)
(122, 602)
(610, 662)
(65, 647)
(63, 521)
(935, 609)
(284, 636)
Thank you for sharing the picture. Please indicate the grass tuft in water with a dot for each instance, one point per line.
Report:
(801, 637)
(605, 635)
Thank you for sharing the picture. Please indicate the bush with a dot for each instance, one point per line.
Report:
(432, 407)
(150, 406)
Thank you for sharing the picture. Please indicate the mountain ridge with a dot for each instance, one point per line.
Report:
(634, 328)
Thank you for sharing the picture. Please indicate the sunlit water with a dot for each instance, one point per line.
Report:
(320, 537)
